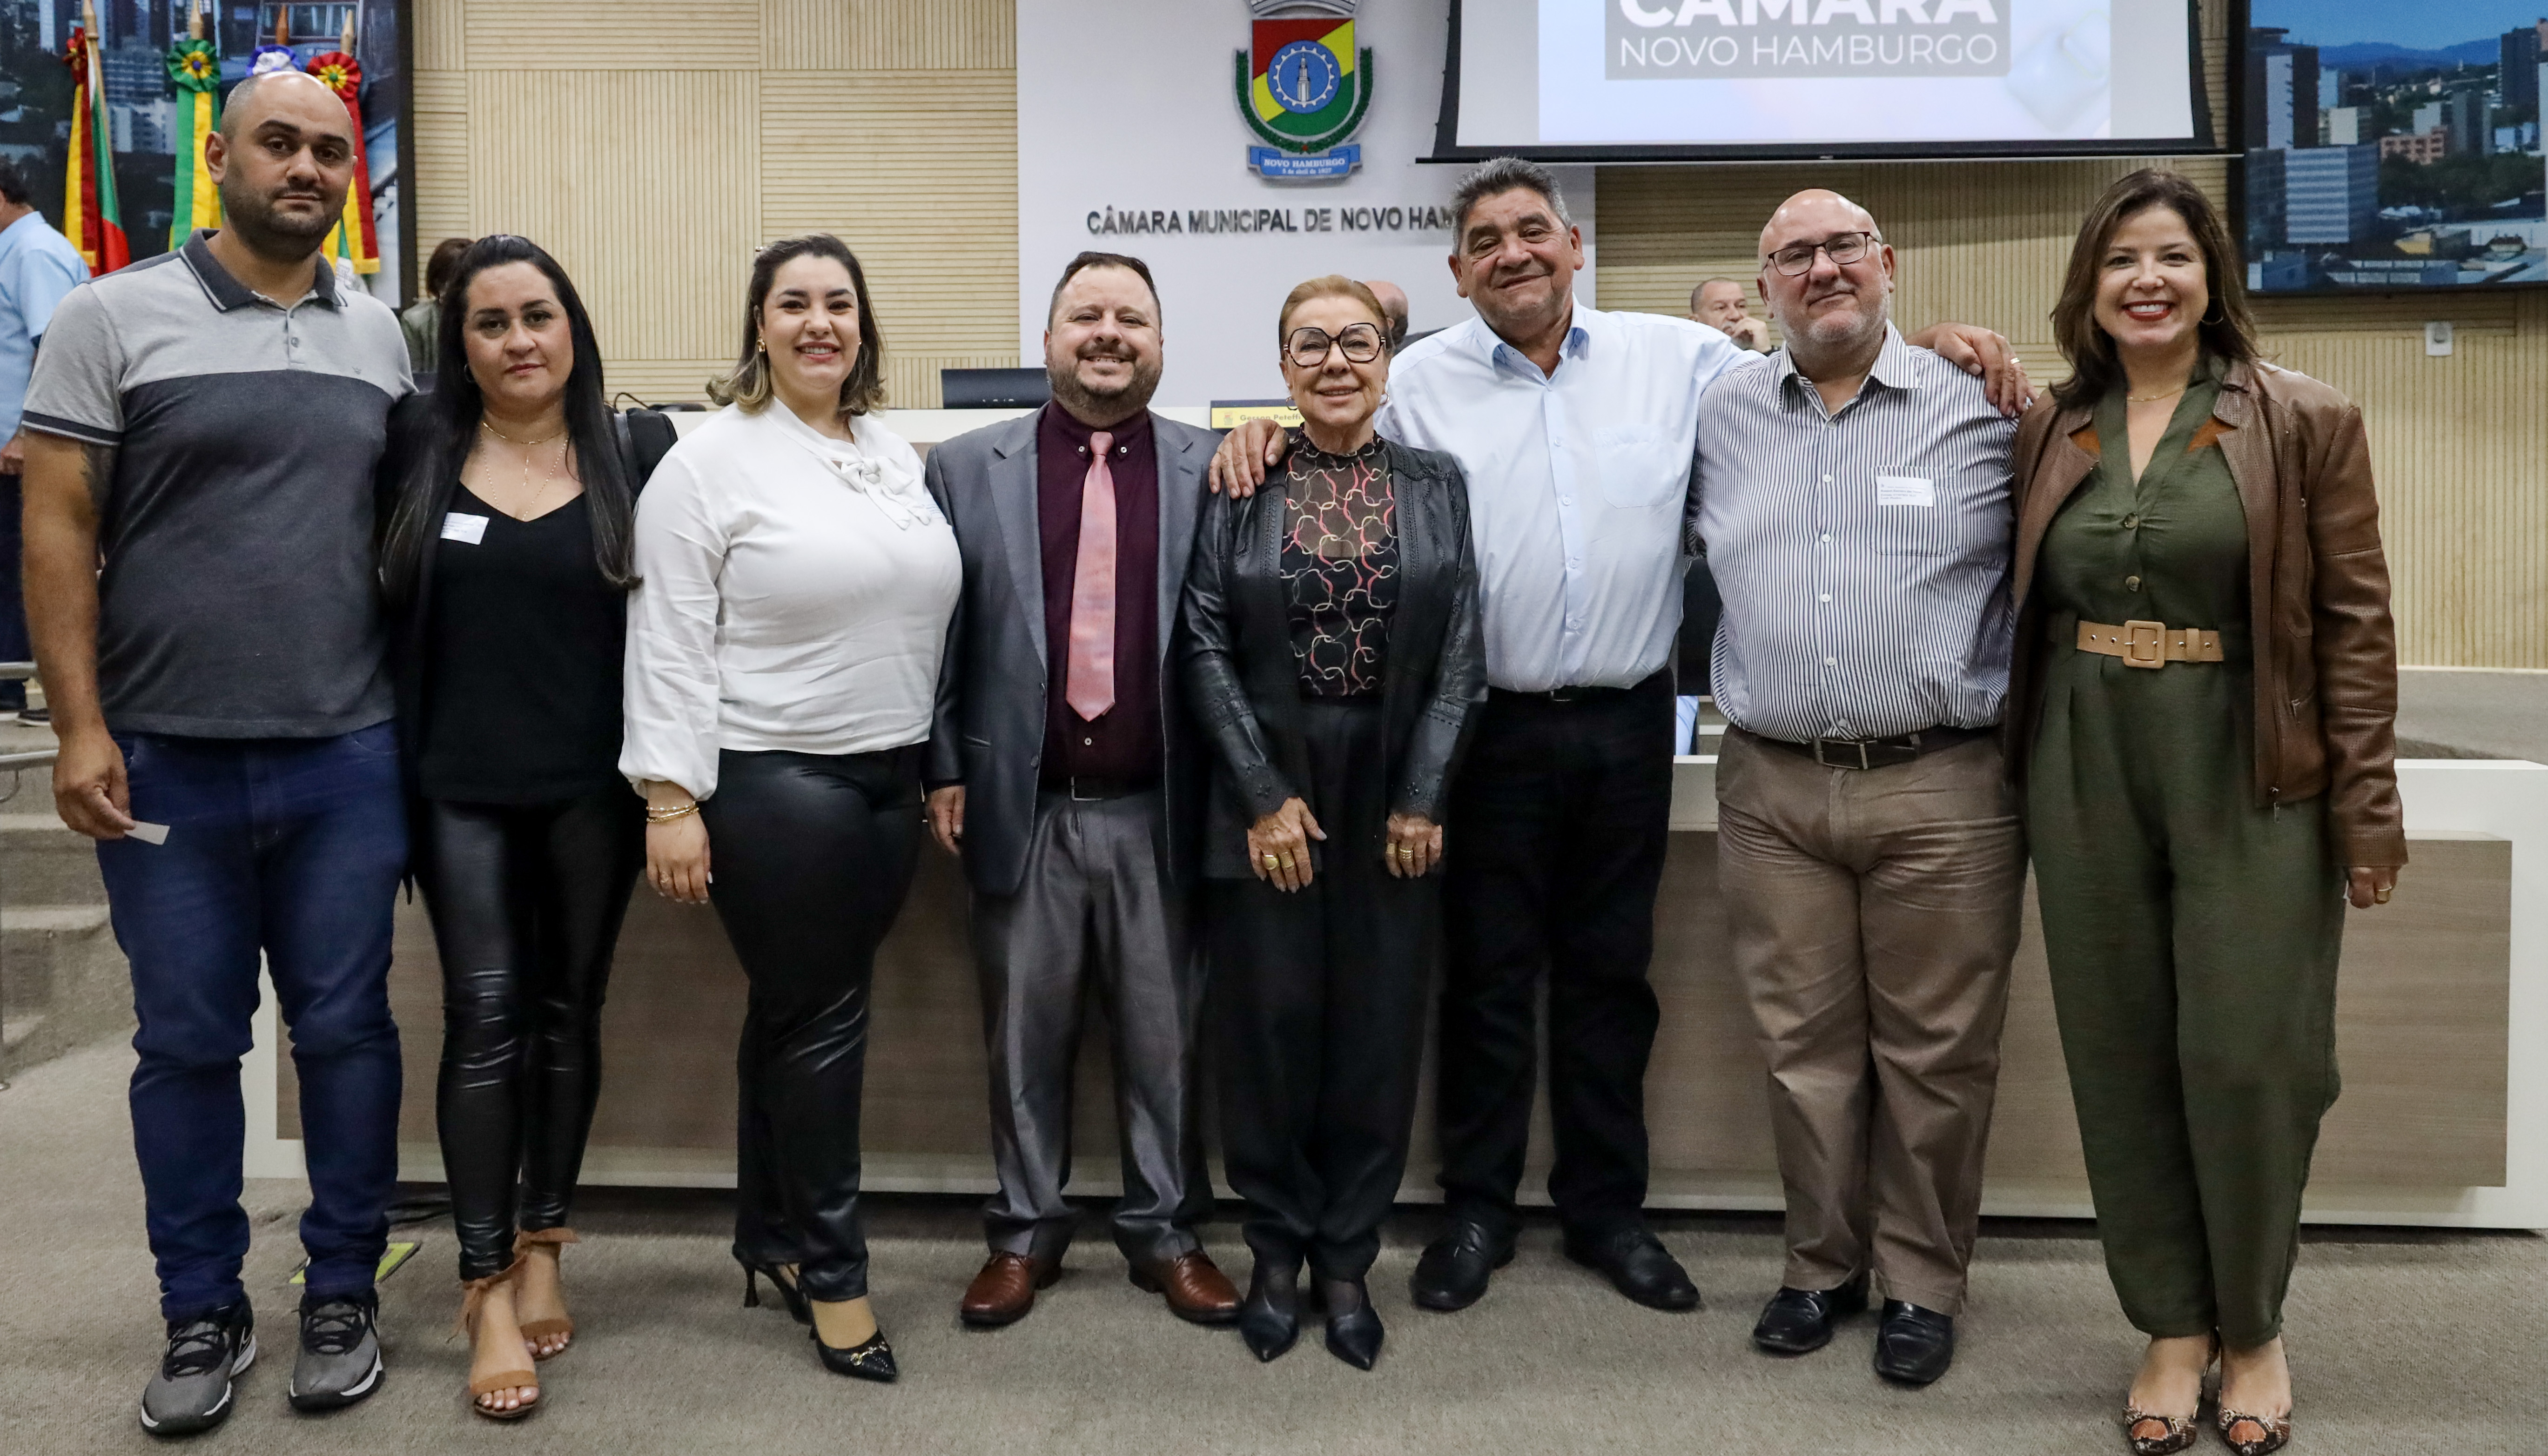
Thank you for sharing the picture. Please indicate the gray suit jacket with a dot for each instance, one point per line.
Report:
(988, 729)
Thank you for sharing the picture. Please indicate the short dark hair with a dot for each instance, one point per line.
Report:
(13, 183)
(444, 262)
(1499, 176)
(750, 385)
(2094, 369)
(1088, 260)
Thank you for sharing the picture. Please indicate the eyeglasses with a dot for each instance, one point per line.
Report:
(1360, 342)
(1843, 248)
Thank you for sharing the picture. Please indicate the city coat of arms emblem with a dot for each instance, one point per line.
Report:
(1303, 87)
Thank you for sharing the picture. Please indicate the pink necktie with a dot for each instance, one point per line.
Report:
(1089, 686)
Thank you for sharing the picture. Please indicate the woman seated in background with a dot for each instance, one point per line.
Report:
(2201, 710)
(506, 565)
(1329, 645)
(795, 587)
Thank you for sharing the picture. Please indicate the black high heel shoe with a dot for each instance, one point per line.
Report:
(1270, 1317)
(871, 1359)
(788, 1294)
(1354, 1332)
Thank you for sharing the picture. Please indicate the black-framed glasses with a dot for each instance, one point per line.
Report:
(1842, 249)
(1360, 342)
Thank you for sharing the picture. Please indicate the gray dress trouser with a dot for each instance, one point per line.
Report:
(1097, 904)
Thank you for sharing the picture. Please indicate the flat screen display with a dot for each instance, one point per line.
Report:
(1707, 79)
(2394, 144)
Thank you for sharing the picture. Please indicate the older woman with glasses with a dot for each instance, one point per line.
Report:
(1330, 645)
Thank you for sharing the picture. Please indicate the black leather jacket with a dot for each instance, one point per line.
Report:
(1235, 654)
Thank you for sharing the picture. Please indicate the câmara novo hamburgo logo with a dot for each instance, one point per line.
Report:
(1304, 88)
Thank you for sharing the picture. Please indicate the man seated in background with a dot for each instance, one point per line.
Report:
(1393, 302)
(1718, 304)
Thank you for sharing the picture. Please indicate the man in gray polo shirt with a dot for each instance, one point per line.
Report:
(206, 424)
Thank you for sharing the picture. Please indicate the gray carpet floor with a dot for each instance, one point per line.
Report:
(2403, 1342)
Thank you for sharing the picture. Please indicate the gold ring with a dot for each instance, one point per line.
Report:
(2380, 897)
(1271, 862)
(1287, 861)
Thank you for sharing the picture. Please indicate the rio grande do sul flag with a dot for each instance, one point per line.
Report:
(91, 218)
(353, 239)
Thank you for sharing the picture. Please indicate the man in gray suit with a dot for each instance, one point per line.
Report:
(1063, 770)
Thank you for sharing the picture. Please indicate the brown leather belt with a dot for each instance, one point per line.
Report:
(1874, 753)
(2150, 644)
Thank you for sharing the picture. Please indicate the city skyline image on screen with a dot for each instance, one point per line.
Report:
(2394, 144)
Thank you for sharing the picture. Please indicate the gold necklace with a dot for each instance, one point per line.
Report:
(2154, 399)
(527, 446)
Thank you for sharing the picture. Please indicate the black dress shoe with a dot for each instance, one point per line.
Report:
(870, 1361)
(1269, 1319)
(1798, 1322)
(1353, 1325)
(1914, 1345)
(1638, 1263)
(1455, 1268)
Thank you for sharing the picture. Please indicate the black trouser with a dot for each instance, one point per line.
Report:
(812, 855)
(526, 901)
(1555, 849)
(15, 645)
(1321, 1016)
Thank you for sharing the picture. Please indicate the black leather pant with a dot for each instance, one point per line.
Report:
(813, 854)
(1320, 1005)
(526, 901)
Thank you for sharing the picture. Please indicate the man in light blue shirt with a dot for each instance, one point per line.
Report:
(1575, 428)
(38, 267)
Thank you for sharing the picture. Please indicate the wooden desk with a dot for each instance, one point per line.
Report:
(2422, 1022)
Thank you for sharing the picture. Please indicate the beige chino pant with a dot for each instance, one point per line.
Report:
(1874, 916)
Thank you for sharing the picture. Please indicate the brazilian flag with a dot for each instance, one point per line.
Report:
(1302, 84)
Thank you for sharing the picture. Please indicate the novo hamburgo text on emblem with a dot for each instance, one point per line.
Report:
(1304, 88)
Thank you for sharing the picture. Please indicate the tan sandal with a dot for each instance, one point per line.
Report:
(473, 1301)
(539, 1332)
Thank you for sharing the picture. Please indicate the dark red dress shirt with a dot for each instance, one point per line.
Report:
(1122, 743)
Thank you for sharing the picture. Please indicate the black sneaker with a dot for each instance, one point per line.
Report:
(341, 1354)
(192, 1392)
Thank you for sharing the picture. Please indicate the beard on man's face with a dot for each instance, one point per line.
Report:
(1080, 398)
(261, 224)
(1864, 318)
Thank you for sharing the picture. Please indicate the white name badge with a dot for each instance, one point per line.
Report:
(1900, 490)
(469, 530)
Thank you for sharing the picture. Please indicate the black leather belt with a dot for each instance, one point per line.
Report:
(1087, 787)
(1574, 694)
(1876, 753)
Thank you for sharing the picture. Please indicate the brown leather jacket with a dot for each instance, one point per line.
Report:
(2318, 587)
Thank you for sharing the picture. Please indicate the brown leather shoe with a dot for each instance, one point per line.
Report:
(1006, 1288)
(1196, 1288)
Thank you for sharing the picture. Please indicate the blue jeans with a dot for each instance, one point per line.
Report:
(292, 848)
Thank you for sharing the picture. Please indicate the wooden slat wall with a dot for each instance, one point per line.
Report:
(893, 123)
(653, 145)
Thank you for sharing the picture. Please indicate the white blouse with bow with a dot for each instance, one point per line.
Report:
(795, 596)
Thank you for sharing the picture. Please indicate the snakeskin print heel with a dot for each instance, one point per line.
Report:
(2277, 1431)
(2180, 1429)
(2179, 1434)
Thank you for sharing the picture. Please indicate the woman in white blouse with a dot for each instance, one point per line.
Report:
(795, 585)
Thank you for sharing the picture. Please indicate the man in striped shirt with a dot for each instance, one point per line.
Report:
(1853, 497)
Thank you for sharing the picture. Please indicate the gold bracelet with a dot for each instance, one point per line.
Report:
(668, 816)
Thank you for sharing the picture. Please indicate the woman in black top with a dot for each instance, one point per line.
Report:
(506, 564)
(1330, 644)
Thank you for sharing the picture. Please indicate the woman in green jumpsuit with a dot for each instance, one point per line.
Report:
(2205, 694)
